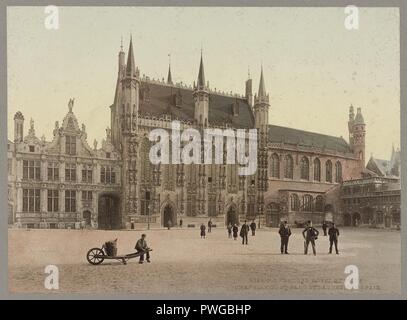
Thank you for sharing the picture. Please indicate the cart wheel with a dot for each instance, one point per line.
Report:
(94, 256)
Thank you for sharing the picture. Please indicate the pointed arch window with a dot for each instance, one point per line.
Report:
(275, 166)
(294, 202)
(319, 204)
(304, 165)
(289, 167)
(328, 169)
(338, 172)
(317, 169)
(307, 203)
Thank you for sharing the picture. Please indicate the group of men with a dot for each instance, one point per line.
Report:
(310, 235)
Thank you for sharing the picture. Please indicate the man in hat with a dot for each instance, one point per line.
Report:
(142, 248)
(285, 233)
(310, 234)
(333, 233)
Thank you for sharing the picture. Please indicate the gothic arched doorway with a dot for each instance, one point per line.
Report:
(169, 216)
(231, 216)
(109, 211)
(367, 215)
(347, 220)
(273, 215)
(356, 219)
(87, 217)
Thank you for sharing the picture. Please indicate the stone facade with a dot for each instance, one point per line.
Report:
(374, 200)
(66, 183)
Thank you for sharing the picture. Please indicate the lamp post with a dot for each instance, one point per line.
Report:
(148, 211)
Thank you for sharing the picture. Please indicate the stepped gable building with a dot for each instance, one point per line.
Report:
(65, 183)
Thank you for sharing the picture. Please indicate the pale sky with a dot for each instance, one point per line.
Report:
(314, 67)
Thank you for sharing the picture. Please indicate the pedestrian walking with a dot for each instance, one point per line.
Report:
(229, 227)
(333, 238)
(285, 233)
(203, 231)
(235, 230)
(253, 228)
(244, 231)
(310, 234)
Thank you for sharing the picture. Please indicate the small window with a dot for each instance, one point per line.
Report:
(209, 179)
(108, 155)
(32, 149)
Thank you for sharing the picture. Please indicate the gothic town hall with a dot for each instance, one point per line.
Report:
(71, 183)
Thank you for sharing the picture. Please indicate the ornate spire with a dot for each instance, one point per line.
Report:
(131, 66)
(201, 75)
(169, 77)
(262, 87)
(359, 117)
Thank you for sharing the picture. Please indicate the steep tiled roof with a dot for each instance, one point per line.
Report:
(308, 139)
(383, 167)
(157, 99)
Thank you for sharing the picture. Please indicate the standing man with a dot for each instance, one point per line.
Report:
(203, 233)
(235, 230)
(324, 227)
(253, 228)
(310, 234)
(209, 225)
(333, 238)
(285, 233)
(180, 223)
(142, 248)
(244, 231)
(229, 230)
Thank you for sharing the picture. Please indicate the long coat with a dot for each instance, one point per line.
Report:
(203, 228)
(333, 233)
(235, 231)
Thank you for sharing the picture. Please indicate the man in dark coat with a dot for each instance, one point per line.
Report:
(209, 225)
(333, 233)
(244, 231)
(203, 232)
(310, 234)
(253, 228)
(142, 248)
(235, 230)
(285, 233)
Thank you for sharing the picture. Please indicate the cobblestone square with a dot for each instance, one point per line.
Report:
(183, 263)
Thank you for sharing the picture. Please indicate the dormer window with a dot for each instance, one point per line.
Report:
(31, 148)
(70, 145)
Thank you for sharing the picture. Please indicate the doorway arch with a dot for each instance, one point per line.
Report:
(109, 211)
(347, 220)
(168, 215)
(232, 216)
(87, 217)
(273, 215)
(356, 219)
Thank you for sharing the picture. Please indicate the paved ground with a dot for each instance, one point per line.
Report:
(182, 263)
